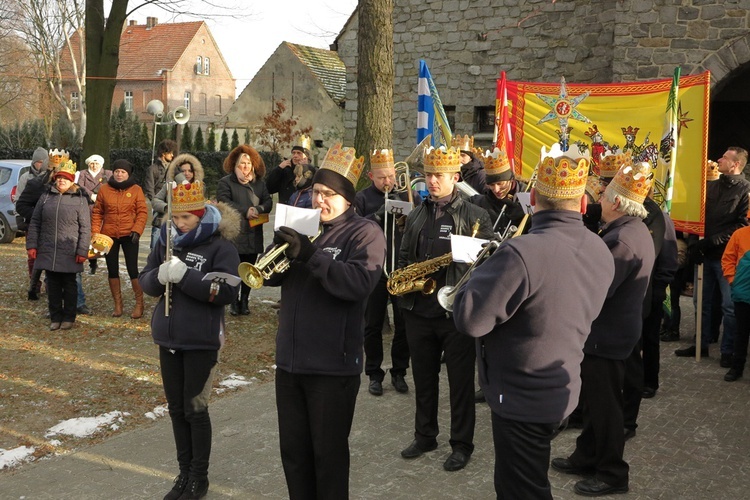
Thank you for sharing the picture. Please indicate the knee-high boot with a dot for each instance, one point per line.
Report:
(244, 298)
(138, 291)
(114, 287)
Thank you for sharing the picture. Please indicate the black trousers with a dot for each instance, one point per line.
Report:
(522, 454)
(742, 314)
(187, 377)
(62, 295)
(377, 306)
(602, 441)
(632, 389)
(428, 339)
(129, 250)
(245, 289)
(315, 415)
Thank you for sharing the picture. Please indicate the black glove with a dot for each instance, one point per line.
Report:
(380, 214)
(135, 237)
(300, 246)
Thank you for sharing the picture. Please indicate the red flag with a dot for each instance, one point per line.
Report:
(503, 138)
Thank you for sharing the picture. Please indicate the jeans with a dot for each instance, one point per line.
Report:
(713, 277)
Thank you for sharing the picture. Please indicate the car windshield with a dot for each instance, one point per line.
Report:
(4, 175)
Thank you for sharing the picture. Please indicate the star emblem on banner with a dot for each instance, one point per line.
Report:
(562, 108)
(682, 118)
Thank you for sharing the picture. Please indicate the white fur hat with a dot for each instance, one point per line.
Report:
(95, 158)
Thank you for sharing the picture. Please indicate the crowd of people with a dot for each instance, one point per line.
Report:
(543, 359)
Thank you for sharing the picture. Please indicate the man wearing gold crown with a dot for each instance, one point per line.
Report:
(472, 169)
(530, 336)
(614, 334)
(370, 203)
(281, 179)
(429, 330)
(319, 345)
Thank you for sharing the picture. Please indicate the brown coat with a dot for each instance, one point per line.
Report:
(119, 212)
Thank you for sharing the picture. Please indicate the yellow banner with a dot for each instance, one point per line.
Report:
(624, 116)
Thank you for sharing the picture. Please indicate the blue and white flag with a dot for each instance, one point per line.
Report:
(431, 117)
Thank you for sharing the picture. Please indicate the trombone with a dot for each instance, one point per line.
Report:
(272, 262)
(402, 184)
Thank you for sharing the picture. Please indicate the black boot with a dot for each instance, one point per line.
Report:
(735, 371)
(234, 307)
(244, 299)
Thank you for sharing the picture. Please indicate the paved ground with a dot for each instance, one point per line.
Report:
(692, 442)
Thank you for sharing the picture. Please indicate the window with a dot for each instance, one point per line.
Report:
(186, 101)
(203, 104)
(128, 100)
(207, 67)
(450, 114)
(74, 101)
(484, 119)
(199, 65)
(218, 105)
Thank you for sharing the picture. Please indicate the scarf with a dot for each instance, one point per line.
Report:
(207, 226)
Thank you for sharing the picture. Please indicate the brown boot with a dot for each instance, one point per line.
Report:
(114, 287)
(138, 291)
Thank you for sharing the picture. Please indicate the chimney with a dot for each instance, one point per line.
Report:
(132, 22)
(151, 22)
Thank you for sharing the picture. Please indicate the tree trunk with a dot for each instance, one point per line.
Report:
(102, 60)
(374, 78)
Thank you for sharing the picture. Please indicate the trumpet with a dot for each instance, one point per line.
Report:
(447, 294)
(272, 262)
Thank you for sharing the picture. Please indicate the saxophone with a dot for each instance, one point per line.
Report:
(413, 278)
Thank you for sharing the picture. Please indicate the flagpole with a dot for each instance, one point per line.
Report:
(672, 110)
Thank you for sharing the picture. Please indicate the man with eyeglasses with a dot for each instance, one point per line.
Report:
(319, 345)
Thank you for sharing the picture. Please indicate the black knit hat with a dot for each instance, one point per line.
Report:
(337, 182)
(305, 151)
(123, 164)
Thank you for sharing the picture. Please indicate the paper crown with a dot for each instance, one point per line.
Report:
(304, 141)
(344, 162)
(442, 160)
(464, 142)
(67, 167)
(57, 156)
(561, 175)
(595, 186)
(633, 181)
(496, 163)
(611, 162)
(100, 245)
(381, 158)
(187, 197)
(712, 171)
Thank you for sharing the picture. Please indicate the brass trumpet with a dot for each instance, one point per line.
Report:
(267, 265)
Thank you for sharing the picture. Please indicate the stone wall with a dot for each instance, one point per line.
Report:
(466, 44)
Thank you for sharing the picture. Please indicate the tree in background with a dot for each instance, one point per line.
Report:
(145, 141)
(224, 145)
(186, 142)
(235, 139)
(276, 132)
(211, 143)
(198, 145)
(374, 77)
(63, 133)
(30, 135)
(247, 136)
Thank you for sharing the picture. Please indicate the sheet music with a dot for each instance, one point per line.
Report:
(524, 199)
(465, 248)
(303, 220)
(397, 207)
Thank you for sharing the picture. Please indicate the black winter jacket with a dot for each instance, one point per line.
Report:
(726, 211)
(241, 197)
(281, 180)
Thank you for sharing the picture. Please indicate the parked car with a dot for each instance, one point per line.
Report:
(10, 172)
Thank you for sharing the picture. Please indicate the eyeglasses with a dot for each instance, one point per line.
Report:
(323, 194)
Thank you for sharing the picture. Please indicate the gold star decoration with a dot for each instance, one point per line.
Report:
(682, 118)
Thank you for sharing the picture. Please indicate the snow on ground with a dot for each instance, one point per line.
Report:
(86, 426)
(157, 412)
(16, 456)
(233, 381)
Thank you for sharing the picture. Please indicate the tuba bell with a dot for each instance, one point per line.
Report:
(272, 262)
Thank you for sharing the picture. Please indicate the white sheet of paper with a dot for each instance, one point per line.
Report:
(397, 207)
(230, 279)
(303, 220)
(465, 248)
(525, 200)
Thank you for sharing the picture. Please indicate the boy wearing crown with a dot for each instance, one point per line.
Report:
(529, 335)
(614, 334)
(430, 331)
(472, 169)
(281, 179)
(319, 345)
(498, 195)
(190, 335)
(370, 203)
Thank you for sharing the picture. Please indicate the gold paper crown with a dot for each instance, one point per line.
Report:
(595, 186)
(57, 156)
(68, 167)
(633, 181)
(496, 163)
(100, 245)
(344, 161)
(442, 160)
(304, 141)
(561, 175)
(382, 158)
(712, 171)
(610, 163)
(464, 142)
(187, 197)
